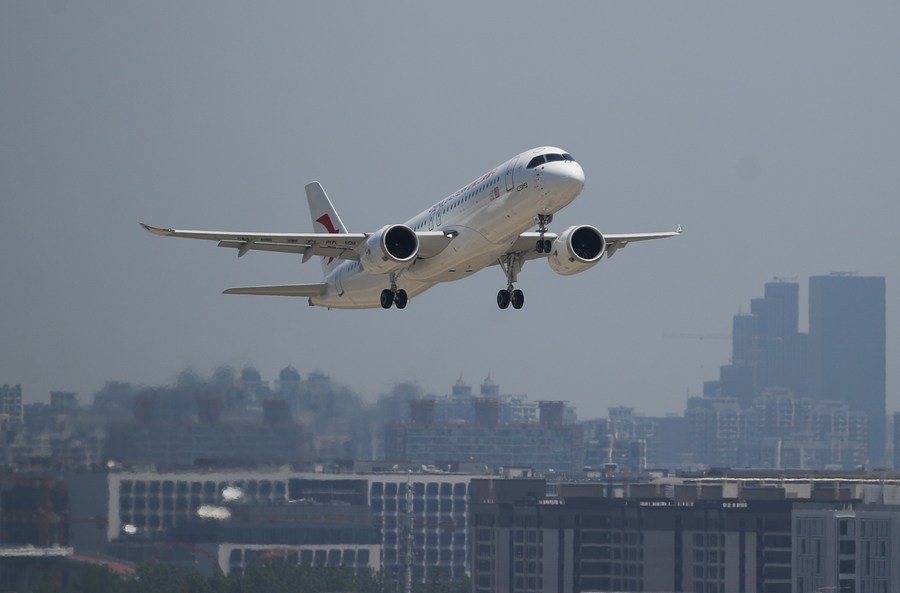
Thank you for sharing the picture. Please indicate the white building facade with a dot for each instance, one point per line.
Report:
(856, 550)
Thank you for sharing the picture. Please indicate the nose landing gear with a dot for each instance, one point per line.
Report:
(543, 245)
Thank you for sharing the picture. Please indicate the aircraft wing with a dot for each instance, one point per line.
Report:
(615, 242)
(340, 246)
(524, 245)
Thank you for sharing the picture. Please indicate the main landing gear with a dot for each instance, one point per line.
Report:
(507, 297)
(393, 295)
(511, 263)
(543, 245)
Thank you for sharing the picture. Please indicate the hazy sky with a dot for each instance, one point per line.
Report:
(770, 130)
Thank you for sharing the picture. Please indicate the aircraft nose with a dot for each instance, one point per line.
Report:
(568, 176)
(576, 174)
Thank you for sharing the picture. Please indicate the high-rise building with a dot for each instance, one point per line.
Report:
(784, 431)
(633, 442)
(836, 373)
(896, 440)
(557, 448)
(461, 405)
(11, 403)
(781, 348)
(767, 348)
(714, 424)
(492, 429)
(778, 310)
(847, 348)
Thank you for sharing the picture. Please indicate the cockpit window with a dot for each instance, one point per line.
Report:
(538, 160)
(549, 158)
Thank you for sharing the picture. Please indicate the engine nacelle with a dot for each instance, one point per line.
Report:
(576, 250)
(389, 249)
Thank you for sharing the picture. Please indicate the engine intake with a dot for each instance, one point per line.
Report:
(577, 249)
(389, 249)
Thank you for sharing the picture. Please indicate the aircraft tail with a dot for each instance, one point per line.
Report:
(325, 219)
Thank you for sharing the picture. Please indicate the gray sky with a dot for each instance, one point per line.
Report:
(771, 131)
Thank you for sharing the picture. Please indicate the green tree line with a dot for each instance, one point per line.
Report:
(271, 577)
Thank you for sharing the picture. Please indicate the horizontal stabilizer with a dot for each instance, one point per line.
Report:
(295, 290)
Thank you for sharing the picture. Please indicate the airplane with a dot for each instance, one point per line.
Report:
(484, 223)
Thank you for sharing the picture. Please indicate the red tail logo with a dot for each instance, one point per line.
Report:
(325, 221)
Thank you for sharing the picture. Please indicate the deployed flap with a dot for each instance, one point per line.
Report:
(296, 290)
(307, 250)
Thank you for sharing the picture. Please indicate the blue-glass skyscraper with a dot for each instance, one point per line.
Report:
(767, 348)
(847, 348)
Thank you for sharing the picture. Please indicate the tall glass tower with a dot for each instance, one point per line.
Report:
(847, 348)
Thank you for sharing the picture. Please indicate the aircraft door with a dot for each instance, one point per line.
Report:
(431, 220)
(510, 169)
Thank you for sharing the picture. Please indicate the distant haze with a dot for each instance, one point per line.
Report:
(770, 130)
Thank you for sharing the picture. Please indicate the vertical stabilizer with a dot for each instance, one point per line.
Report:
(325, 219)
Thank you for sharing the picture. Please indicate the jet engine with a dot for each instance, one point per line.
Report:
(577, 249)
(389, 249)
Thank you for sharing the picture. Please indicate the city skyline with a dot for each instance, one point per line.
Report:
(768, 131)
(765, 343)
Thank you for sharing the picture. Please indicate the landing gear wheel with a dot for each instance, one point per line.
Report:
(401, 299)
(543, 245)
(517, 299)
(503, 299)
(387, 299)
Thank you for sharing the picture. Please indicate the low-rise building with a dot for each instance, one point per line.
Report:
(420, 519)
(718, 534)
(855, 548)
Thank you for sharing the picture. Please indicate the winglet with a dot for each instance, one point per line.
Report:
(156, 230)
(678, 229)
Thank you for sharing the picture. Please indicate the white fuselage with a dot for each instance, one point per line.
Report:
(486, 217)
